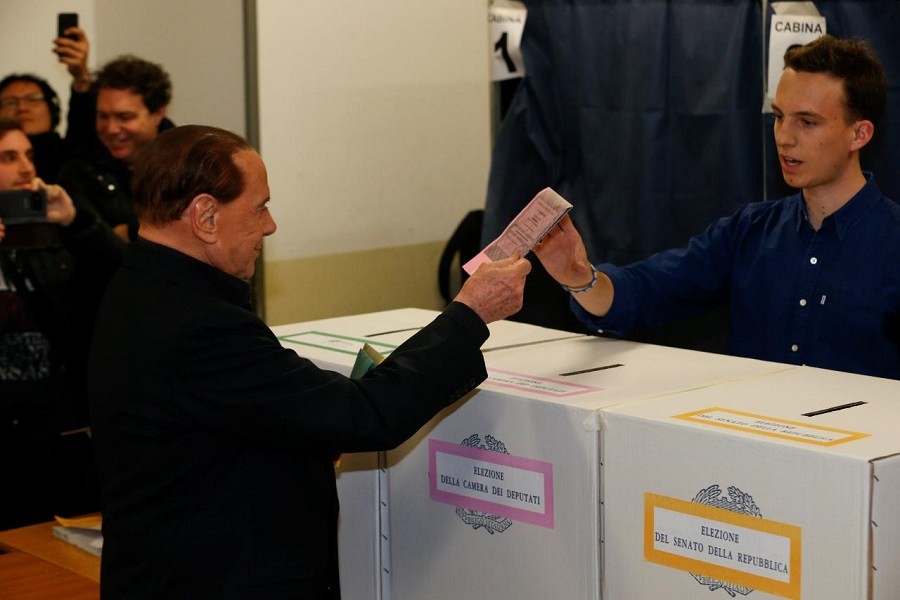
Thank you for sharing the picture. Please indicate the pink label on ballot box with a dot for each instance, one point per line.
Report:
(543, 386)
(518, 488)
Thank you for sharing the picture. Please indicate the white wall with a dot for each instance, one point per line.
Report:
(199, 42)
(374, 121)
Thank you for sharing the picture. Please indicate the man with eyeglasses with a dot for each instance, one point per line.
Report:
(34, 104)
(132, 96)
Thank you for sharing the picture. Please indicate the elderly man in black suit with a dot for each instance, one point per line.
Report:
(214, 443)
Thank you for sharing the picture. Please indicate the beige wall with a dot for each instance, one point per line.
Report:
(199, 42)
(375, 126)
(355, 282)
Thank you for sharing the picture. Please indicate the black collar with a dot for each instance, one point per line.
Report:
(185, 271)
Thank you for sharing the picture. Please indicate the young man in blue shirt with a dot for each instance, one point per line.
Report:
(812, 278)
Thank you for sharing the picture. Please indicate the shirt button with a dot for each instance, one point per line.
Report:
(794, 348)
(813, 260)
(802, 301)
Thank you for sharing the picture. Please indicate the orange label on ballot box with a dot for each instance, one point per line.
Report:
(737, 548)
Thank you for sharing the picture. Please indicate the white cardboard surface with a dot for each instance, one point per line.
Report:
(674, 447)
(332, 344)
(540, 403)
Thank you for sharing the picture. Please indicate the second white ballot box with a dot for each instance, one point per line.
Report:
(333, 344)
(779, 486)
(500, 495)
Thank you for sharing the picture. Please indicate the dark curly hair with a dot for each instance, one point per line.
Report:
(50, 95)
(138, 76)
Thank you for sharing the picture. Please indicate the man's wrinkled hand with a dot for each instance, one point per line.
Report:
(495, 290)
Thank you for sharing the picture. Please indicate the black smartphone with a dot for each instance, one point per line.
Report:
(64, 21)
(24, 212)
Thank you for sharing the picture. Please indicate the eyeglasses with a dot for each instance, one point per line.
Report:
(28, 100)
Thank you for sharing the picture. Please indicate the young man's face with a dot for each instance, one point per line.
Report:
(16, 166)
(245, 221)
(24, 101)
(815, 142)
(124, 124)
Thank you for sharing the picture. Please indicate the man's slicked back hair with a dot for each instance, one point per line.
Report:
(182, 163)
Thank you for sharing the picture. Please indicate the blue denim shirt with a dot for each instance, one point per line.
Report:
(820, 298)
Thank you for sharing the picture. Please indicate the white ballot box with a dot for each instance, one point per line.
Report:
(784, 486)
(500, 495)
(333, 344)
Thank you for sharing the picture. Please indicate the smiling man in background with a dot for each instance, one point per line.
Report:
(132, 97)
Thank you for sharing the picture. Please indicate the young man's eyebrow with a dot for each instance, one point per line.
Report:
(799, 113)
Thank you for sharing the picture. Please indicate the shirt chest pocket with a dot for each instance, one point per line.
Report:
(852, 315)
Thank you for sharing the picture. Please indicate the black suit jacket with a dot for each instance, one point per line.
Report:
(214, 444)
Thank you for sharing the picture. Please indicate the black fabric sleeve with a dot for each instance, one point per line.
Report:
(238, 379)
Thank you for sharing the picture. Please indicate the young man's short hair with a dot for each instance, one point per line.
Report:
(855, 63)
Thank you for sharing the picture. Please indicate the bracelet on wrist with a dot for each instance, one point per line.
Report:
(584, 288)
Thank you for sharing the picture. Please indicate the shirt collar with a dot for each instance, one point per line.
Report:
(859, 205)
(850, 213)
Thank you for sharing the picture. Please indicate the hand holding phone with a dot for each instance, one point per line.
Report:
(72, 49)
(63, 22)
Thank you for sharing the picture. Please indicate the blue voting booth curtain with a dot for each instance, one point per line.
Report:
(647, 116)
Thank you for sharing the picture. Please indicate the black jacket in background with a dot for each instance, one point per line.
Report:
(215, 444)
(102, 184)
(60, 286)
(51, 151)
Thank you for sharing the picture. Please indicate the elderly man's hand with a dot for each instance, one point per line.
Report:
(495, 290)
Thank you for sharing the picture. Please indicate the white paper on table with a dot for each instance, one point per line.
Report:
(534, 221)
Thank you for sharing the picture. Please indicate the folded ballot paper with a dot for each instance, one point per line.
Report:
(366, 359)
(83, 532)
(543, 212)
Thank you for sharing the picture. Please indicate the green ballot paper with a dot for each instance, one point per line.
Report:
(366, 359)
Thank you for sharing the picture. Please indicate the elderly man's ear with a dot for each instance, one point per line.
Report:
(203, 215)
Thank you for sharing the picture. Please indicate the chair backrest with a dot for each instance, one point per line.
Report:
(464, 244)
